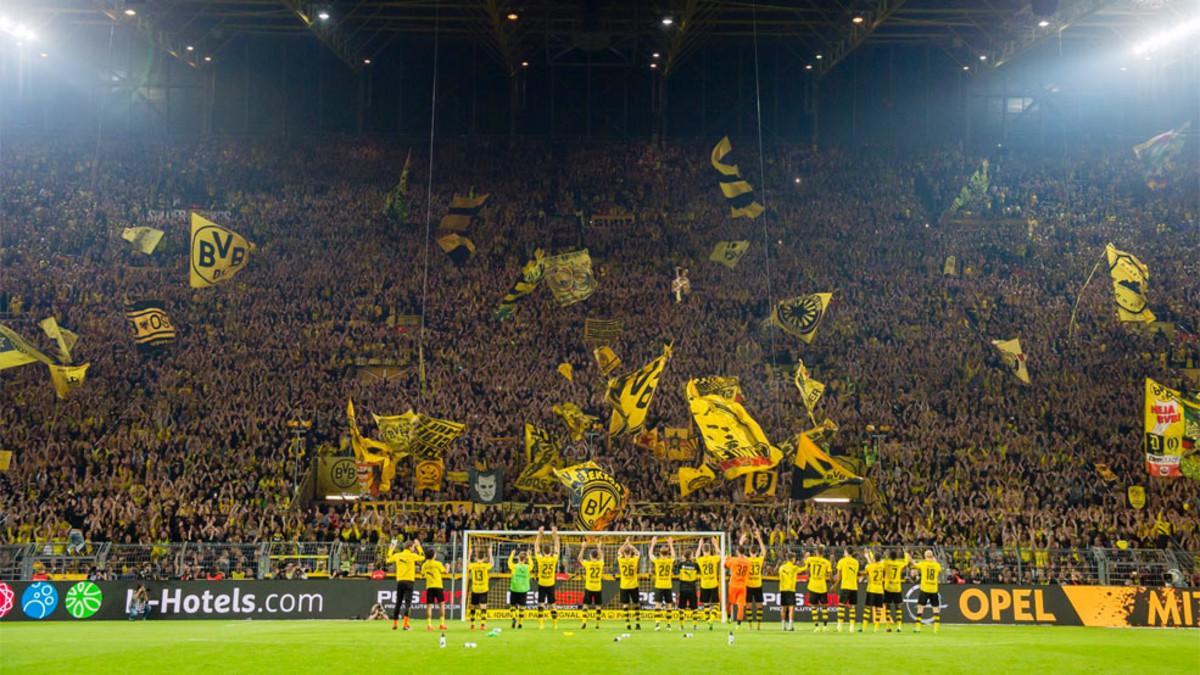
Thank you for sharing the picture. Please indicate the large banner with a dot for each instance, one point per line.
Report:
(1100, 606)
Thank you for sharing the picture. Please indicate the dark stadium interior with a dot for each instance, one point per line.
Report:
(591, 124)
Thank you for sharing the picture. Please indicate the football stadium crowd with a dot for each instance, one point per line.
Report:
(191, 442)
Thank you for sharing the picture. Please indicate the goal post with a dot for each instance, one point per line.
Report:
(570, 584)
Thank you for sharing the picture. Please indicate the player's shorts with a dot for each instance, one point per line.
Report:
(687, 598)
(592, 598)
(932, 599)
(518, 599)
(630, 596)
(710, 596)
(892, 597)
(737, 595)
(874, 599)
(787, 598)
(404, 591)
(819, 599)
(434, 596)
(545, 595)
(754, 595)
(663, 595)
(479, 598)
(847, 597)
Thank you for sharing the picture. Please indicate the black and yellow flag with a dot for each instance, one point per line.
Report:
(457, 247)
(602, 331)
(541, 459)
(144, 239)
(596, 498)
(606, 359)
(372, 452)
(67, 378)
(397, 432)
(729, 253)
(432, 436)
(217, 254)
(151, 326)
(1014, 357)
(810, 389)
(569, 277)
(738, 193)
(1129, 276)
(531, 276)
(428, 475)
(816, 471)
(630, 395)
(64, 338)
(800, 316)
(577, 421)
(695, 478)
(734, 443)
(15, 351)
(463, 210)
(761, 484)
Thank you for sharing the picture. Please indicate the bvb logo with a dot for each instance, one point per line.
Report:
(344, 473)
(567, 279)
(597, 504)
(802, 314)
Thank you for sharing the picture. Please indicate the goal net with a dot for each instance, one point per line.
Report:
(569, 578)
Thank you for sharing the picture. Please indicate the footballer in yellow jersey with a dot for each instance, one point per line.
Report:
(787, 592)
(628, 560)
(664, 571)
(754, 585)
(405, 560)
(708, 557)
(930, 571)
(432, 571)
(893, 577)
(818, 567)
(847, 578)
(479, 575)
(546, 572)
(593, 582)
(875, 574)
(689, 574)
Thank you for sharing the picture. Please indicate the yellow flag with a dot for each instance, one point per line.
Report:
(15, 351)
(596, 498)
(217, 253)
(65, 338)
(733, 441)
(577, 421)
(729, 253)
(810, 389)
(569, 277)
(428, 475)
(567, 371)
(1172, 422)
(695, 478)
(371, 451)
(816, 471)
(397, 432)
(5, 459)
(738, 193)
(800, 316)
(67, 378)
(144, 239)
(761, 484)
(606, 360)
(432, 436)
(1014, 358)
(541, 459)
(1129, 276)
(950, 266)
(463, 209)
(1137, 496)
(630, 395)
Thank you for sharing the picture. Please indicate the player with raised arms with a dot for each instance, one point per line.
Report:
(433, 571)
(547, 576)
(875, 574)
(479, 575)
(754, 583)
(664, 571)
(818, 567)
(628, 560)
(893, 578)
(689, 574)
(405, 560)
(847, 583)
(593, 582)
(518, 587)
(739, 574)
(929, 570)
(708, 557)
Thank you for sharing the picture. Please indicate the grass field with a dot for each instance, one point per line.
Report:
(359, 647)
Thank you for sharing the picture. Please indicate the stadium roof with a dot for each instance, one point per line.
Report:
(617, 32)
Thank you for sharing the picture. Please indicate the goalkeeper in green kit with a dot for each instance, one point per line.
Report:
(518, 589)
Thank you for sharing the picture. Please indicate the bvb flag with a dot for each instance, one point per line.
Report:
(431, 436)
(577, 421)
(457, 247)
(463, 210)
(151, 325)
(810, 389)
(66, 339)
(541, 459)
(606, 360)
(692, 479)
(602, 331)
(800, 316)
(144, 239)
(396, 431)
(566, 370)
(1158, 155)
(15, 351)
(596, 498)
(729, 253)
(1172, 427)
(1129, 277)
(570, 277)
(531, 276)
(373, 452)
(428, 475)
(630, 395)
(816, 471)
(733, 441)
(761, 484)
(67, 378)
(217, 253)
(738, 193)
(5, 459)
(1014, 358)
(1137, 496)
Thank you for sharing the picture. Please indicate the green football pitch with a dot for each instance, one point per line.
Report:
(362, 647)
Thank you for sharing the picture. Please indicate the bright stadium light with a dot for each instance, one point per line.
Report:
(366, 62)
(808, 66)
(190, 48)
(653, 66)
(983, 57)
(966, 67)
(1043, 23)
(208, 59)
(655, 55)
(820, 56)
(129, 11)
(857, 20)
(667, 21)
(323, 15)
(44, 55)
(512, 16)
(832, 500)
(1156, 42)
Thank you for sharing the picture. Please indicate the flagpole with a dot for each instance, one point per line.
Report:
(1075, 309)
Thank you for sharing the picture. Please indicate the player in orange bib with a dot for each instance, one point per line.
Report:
(739, 576)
